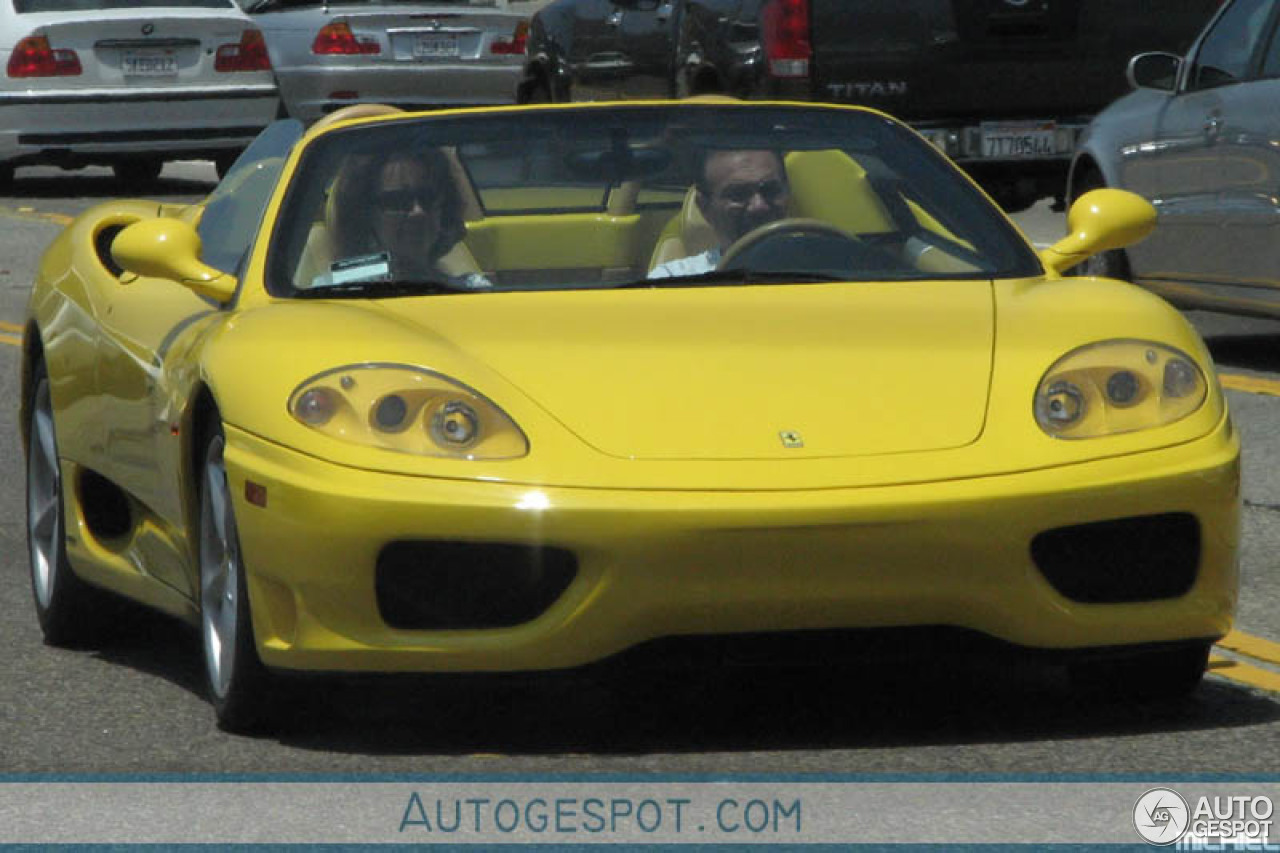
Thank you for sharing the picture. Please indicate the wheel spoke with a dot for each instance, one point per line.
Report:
(218, 503)
(213, 587)
(44, 437)
(44, 517)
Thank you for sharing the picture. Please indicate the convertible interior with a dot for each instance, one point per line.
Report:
(533, 235)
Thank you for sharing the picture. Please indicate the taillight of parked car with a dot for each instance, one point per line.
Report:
(514, 46)
(337, 39)
(249, 55)
(33, 57)
(785, 25)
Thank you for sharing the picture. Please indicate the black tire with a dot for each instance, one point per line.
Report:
(223, 163)
(1110, 264)
(68, 609)
(539, 92)
(241, 689)
(1152, 676)
(138, 171)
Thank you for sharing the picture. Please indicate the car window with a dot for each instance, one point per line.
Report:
(1228, 48)
(24, 6)
(1271, 60)
(604, 197)
(233, 211)
(503, 172)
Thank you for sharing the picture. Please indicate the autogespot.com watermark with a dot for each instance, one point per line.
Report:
(492, 817)
(1163, 817)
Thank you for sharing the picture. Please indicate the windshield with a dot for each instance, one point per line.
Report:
(631, 196)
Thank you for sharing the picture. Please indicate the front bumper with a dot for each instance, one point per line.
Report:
(82, 126)
(655, 564)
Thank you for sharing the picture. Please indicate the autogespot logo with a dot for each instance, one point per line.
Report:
(1161, 816)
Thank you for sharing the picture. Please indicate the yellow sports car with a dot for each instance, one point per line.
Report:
(524, 388)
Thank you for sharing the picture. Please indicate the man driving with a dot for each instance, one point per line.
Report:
(737, 191)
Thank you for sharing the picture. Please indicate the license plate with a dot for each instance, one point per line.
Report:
(435, 46)
(148, 64)
(1039, 139)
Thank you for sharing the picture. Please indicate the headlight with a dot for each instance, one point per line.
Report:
(1118, 386)
(408, 409)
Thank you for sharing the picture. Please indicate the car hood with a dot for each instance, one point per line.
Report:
(762, 372)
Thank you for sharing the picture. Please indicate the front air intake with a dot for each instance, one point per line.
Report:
(1144, 558)
(450, 585)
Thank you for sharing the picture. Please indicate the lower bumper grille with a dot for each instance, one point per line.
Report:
(442, 585)
(1144, 558)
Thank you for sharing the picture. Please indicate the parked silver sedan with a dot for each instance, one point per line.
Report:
(1200, 138)
(408, 53)
(130, 84)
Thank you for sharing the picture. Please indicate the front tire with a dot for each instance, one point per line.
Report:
(67, 607)
(239, 686)
(223, 163)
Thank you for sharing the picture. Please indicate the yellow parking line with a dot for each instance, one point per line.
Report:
(31, 214)
(10, 327)
(1254, 647)
(1251, 384)
(1264, 651)
(1244, 673)
(10, 340)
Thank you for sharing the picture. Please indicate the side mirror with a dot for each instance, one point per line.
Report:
(170, 248)
(1157, 70)
(1099, 221)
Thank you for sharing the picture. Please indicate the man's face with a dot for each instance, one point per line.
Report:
(745, 189)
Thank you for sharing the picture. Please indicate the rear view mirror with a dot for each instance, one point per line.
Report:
(1099, 221)
(170, 248)
(1155, 70)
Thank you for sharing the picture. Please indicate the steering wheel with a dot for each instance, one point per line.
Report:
(783, 229)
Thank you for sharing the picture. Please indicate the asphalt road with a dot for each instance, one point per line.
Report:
(132, 705)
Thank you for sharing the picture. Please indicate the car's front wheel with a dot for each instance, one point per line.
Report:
(1156, 675)
(66, 606)
(238, 684)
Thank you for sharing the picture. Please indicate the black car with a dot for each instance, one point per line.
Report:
(1004, 87)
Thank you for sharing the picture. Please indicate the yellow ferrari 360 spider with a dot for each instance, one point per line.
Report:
(521, 389)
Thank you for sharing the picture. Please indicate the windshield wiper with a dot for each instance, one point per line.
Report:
(734, 276)
(380, 289)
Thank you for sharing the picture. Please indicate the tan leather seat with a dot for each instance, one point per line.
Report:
(831, 186)
(688, 233)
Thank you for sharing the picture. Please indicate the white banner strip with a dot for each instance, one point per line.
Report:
(611, 811)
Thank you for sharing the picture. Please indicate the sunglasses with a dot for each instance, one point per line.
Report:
(740, 195)
(402, 201)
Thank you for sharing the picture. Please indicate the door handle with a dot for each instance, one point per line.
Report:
(614, 20)
(1213, 125)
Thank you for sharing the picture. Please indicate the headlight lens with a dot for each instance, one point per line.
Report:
(409, 409)
(1118, 386)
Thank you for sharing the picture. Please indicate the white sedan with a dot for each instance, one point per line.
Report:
(413, 54)
(130, 84)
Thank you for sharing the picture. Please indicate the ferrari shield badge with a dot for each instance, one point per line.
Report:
(791, 438)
